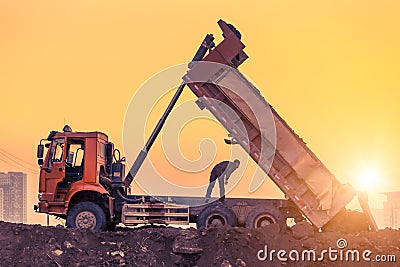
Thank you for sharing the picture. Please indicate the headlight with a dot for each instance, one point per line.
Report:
(40, 195)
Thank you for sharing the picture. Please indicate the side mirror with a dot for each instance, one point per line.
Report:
(40, 162)
(40, 150)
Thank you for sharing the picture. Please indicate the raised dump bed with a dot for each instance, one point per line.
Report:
(268, 139)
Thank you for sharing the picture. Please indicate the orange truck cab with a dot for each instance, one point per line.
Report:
(75, 168)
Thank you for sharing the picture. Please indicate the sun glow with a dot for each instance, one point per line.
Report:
(368, 179)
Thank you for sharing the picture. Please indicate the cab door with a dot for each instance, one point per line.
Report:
(54, 167)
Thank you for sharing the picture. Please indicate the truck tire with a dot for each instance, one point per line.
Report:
(261, 216)
(216, 216)
(86, 215)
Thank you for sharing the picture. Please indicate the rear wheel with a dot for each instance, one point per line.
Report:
(261, 216)
(216, 216)
(86, 215)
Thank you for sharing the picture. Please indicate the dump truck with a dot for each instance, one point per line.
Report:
(82, 176)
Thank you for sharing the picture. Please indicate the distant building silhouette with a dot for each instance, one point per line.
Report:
(391, 210)
(1, 204)
(13, 194)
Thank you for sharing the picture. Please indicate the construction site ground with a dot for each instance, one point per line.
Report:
(35, 245)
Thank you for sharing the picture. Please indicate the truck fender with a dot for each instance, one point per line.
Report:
(80, 186)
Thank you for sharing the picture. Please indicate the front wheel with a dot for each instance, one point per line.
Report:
(86, 215)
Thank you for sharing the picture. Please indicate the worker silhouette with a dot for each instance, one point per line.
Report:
(222, 171)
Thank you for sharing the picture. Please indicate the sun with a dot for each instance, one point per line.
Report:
(368, 179)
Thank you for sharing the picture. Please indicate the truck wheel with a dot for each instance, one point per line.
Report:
(215, 216)
(259, 217)
(86, 215)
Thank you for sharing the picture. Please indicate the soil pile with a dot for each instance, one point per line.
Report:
(34, 245)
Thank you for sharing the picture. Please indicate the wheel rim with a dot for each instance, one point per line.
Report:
(264, 220)
(215, 220)
(85, 220)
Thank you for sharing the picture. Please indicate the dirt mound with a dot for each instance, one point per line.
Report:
(33, 245)
(347, 221)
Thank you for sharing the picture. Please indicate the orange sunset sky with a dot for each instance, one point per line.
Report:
(330, 68)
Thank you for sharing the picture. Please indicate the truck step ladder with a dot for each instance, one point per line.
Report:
(133, 214)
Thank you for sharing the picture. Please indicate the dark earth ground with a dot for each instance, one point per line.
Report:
(34, 245)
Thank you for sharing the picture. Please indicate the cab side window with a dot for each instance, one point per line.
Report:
(75, 153)
(75, 160)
